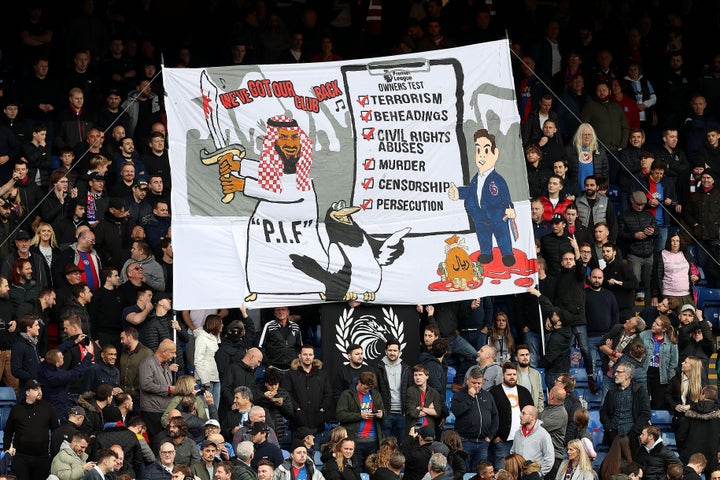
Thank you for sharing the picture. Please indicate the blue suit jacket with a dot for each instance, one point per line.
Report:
(495, 199)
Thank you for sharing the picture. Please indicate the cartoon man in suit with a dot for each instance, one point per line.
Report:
(487, 201)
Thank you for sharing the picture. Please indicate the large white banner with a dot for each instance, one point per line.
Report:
(396, 180)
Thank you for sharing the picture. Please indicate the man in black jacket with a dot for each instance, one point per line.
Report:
(502, 442)
(626, 408)
(476, 417)
(619, 279)
(570, 303)
(309, 387)
(27, 429)
(638, 228)
(654, 457)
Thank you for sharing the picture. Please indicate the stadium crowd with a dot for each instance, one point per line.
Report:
(619, 104)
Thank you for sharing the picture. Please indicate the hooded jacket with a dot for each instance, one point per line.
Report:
(311, 393)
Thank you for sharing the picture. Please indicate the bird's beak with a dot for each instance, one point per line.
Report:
(343, 215)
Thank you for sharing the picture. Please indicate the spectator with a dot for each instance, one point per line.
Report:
(653, 455)
(532, 441)
(626, 407)
(578, 465)
(661, 361)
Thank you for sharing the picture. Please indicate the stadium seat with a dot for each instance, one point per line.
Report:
(580, 376)
(316, 458)
(542, 378)
(707, 295)
(668, 439)
(468, 475)
(599, 459)
(451, 374)
(364, 476)
(661, 418)
(7, 396)
(594, 419)
(450, 420)
(594, 400)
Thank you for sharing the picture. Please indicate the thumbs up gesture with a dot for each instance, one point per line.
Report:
(453, 193)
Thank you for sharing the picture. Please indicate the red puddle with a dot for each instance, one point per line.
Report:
(495, 271)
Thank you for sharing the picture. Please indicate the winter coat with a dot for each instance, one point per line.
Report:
(311, 393)
(67, 465)
(285, 471)
(703, 433)
(206, 344)
(655, 462)
(278, 412)
(24, 360)
(632, 222)
(128, 442)
(610, 123)
(556, 358)
(704, 209)
(406, 379)
(350, 471)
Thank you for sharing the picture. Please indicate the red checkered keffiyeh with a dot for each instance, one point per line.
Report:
(270, 170)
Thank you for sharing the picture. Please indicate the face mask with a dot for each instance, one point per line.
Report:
(234, 337)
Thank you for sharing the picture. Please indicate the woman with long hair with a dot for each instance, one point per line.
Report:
(344, 465)
(584, 155)
(336, 435)
(514, 465)
(207, 342)
(672, 272)
(44, 244)
(381, 458)
(456, 457)
(617, 457)
(661, 359)
(578, 465)
(684, 390)
(501, 338)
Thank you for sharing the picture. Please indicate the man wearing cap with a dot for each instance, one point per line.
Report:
(27, 429)
(66, 430)
(204, 469)
(97, 201)
(22, 250)
(695, 336)
(360, 410)
(417, 448)
(638, 228)
(299, 465)
(112, 233)
(236, 342)
(136, 204)
(702, 217)
(264, 450)
(554, 244)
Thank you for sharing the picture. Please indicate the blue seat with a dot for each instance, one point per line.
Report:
(661, 418)
(450, 420)
(668, 439)
(594, 419)
(316, 458)
(7, 396)
(594, 400)
(708, 295)
(599, 459)
(580, 376)
(468, 475)
(4, 414)
(285, 454)
(364, 476)
(451, 374)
